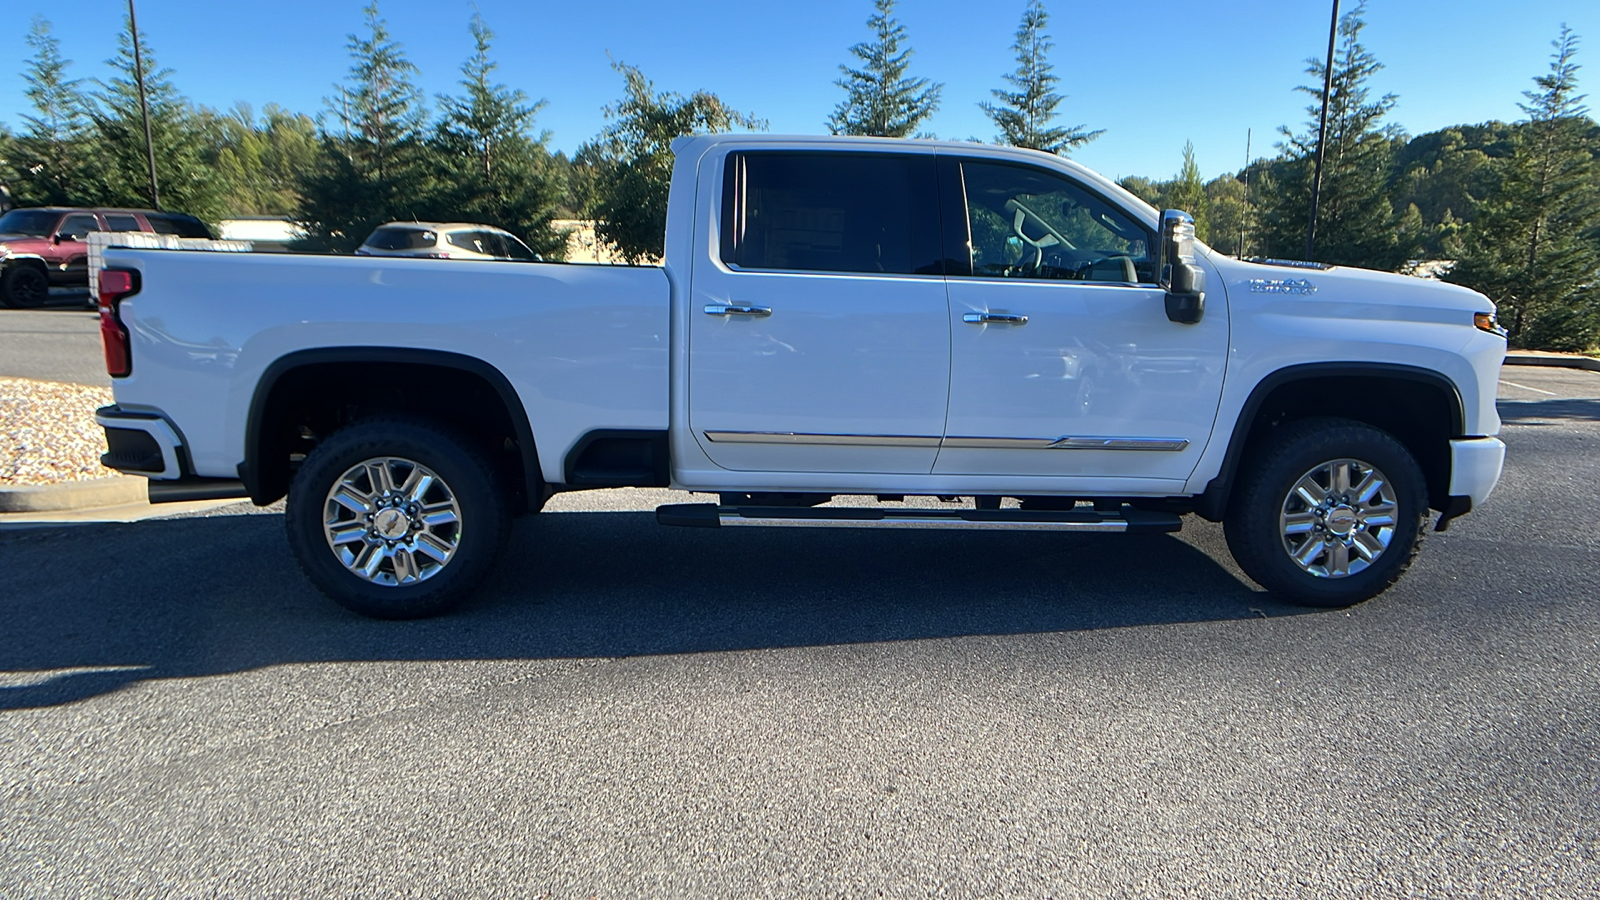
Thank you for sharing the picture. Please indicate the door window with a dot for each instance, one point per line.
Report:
(77, 228)
(115, 222)
(1031, 223)
(831, 212)
(472, 242)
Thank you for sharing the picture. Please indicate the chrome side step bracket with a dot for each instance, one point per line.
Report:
(709, 515)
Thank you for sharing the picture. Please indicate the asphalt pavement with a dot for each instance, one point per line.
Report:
(57, 342)
(629, 710)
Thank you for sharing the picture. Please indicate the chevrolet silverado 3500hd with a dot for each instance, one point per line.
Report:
(834, 316)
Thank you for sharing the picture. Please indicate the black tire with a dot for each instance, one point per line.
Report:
(402, 586)
(1258, 519)
(24, 287)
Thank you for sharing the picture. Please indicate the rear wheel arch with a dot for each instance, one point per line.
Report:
(299, 393)
(1420, 407)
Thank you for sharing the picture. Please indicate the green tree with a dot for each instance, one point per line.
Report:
(261, 161)
(1535, 248)
(180, 143)
(1025, 116)
(52, 158)
(1355, 221)
(1188, 193)
(632, 159)
(1227, 215)
(880, 100)
(1151, 192)
(495, 168)
(374, 166)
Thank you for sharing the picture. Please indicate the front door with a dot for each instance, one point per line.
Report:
(1063, 362)
(819, 338)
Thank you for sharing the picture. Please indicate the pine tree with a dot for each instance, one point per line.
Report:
(1355, 218)
(1227, 216)
(180, 143)
(632, 159)
(1535, 249)
(495, 169)
(52, 157)
(374, 166)
(1024, 119)
(262, 160)
(881, 100)
(1188, 192)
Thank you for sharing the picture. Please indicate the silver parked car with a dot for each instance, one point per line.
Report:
(445, 240)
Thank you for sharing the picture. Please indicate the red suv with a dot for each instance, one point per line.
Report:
(48, 246)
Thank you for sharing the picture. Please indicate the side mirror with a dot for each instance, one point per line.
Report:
(1184, 281)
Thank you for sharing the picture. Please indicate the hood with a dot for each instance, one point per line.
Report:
(1343, 284)
(22, 241)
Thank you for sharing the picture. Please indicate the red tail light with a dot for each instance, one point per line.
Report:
(115, 285)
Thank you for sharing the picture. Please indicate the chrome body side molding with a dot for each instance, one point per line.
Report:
(959, 443)
(848, 440)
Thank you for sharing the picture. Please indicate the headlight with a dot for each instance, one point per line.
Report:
(1487, 322)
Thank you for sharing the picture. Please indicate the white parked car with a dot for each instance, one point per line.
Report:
(834, 316)
(445, 240)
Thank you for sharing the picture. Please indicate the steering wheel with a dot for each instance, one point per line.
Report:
(1021, 214)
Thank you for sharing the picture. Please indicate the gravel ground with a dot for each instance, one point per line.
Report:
(50, 435)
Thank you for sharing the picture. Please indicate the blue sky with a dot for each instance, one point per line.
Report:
(1153, 74)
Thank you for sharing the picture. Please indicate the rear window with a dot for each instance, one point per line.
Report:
(182, 226)
(402, 239)
(832, 212)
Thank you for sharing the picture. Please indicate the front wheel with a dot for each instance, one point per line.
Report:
(396, 518)
(1330, 514)
(24, 287)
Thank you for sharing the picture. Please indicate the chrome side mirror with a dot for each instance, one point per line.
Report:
(1184, 281)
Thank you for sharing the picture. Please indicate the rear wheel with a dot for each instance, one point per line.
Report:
(24, 286)
(396, 518)
(1330, 514)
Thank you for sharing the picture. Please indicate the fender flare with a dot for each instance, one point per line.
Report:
(1213, 502)
(250, 468)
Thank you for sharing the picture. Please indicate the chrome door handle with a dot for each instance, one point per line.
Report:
(724, 309)
(985, 318)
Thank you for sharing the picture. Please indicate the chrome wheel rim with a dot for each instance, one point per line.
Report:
(392, 521)
(1339, 518)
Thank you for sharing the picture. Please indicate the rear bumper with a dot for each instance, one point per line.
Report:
(1475, 465)
(145, 443)
(141, 443)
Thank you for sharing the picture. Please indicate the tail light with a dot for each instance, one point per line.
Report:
(115, 286)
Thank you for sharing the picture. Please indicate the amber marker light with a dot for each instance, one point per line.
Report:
(1487, 322)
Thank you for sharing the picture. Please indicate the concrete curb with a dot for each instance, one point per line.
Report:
(1565, 362)
(118, 490)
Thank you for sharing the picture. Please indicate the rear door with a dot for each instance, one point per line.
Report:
(819, 336)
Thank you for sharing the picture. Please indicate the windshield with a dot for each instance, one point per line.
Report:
(34, 222)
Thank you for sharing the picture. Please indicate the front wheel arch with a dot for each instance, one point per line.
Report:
(1420, 407)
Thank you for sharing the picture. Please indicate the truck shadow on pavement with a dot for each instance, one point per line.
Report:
(91, 609)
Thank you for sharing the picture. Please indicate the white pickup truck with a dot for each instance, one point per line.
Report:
(835, 316)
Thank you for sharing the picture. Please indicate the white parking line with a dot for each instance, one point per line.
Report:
(1526, 388)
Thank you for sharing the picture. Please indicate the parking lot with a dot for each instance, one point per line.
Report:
(629, 710)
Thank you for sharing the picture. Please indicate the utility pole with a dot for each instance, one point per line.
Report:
(144, 108)
(1322, 133)
(1244, 219)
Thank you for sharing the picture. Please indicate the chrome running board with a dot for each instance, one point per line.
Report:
(709, 515)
